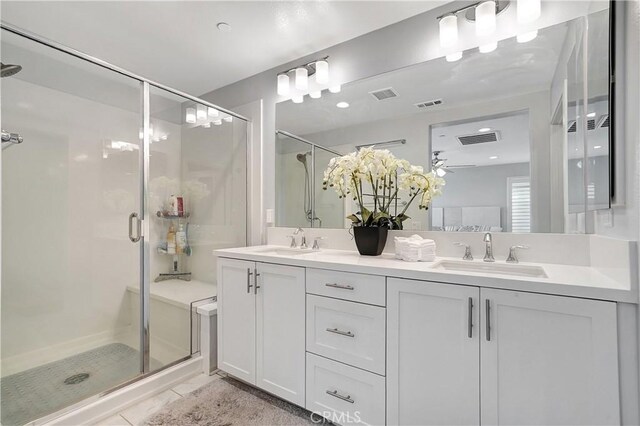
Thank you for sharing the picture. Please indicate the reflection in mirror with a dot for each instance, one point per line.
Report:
(300, 199)
(486, 166)
(520, 134)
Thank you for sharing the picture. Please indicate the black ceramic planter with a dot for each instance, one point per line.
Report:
(370, 240)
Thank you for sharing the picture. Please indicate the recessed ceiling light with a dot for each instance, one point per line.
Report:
(591, 114)
(493, 157)
(597, 147)
(224, 27)
(484, 129)
(342, 105)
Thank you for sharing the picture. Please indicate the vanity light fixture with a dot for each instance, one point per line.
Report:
(298, 99)
(528, 11)
(490, 47)
(283, 84)
(201, 112)
(322, 72)
(212, 112)
(335, 89)
(191, 116)
(448, 30)
(302, 78)
(452, 57)
(342, 104)
(486, 18)
(316, 94)
(523, 38)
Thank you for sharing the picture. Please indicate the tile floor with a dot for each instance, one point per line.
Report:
(138, 413)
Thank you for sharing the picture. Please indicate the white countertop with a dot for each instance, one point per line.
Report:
(564, 280)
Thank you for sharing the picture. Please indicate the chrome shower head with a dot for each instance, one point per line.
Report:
(7, 70)
(302, 157)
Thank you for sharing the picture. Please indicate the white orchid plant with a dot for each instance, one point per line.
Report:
(387, 176)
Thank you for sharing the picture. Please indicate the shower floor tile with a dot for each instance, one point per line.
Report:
(42, 390)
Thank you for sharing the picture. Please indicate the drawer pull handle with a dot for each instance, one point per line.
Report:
(343, 287)
(340, 332)
(342, 397)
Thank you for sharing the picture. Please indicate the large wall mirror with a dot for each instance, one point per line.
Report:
(520, 134)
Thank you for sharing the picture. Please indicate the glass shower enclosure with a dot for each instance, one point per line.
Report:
(115, 191)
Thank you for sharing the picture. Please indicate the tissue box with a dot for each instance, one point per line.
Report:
(415, 249)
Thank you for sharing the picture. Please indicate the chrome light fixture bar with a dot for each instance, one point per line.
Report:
(301, 84)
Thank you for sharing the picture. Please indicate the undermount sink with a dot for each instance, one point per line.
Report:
(491, 268)
(284, 251)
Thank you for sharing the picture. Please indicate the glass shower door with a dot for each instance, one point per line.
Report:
(69, 268)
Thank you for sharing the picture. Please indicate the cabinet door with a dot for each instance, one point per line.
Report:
(432, 354)
(548, 360)
(280, 331)
(237, 319)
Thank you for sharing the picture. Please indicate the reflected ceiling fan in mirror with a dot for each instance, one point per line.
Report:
(440, 166)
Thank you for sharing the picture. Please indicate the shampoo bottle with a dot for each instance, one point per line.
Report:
(181, 239)
(171, 240)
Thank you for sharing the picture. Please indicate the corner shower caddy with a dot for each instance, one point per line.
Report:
(175, 273)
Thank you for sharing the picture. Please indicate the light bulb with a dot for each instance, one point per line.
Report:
(448, 31)
(302, 79)
(523, 38)
(201, 112)
(191, 116)
(212, 112)
(322, 72)
(528, 11)
(486, 18)
(283, 84)
(298, 99)
(490, 47)
(452, 57)
(315, 94)
(335, 89)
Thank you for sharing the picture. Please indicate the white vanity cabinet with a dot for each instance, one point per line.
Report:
(433, 365)
(548, 360)
(464, 355)
(261, 326)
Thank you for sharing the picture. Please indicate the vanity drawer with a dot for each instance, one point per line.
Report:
(349, 286)
(344, 394)
(348, 332)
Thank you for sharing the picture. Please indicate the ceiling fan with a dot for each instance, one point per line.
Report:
(440, 166)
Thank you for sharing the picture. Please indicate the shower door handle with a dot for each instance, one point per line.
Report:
(133, 216)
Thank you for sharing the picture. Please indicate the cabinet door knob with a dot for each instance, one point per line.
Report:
(249, 285)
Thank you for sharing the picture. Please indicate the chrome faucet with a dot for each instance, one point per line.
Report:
(303, 241)
(316, 243)
(467, 251)
(488, 255)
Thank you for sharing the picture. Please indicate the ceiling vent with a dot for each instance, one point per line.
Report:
(572, 127)
(479, 138)
(591, 124)
(383, 94)
(427, 104)
(604, 121)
